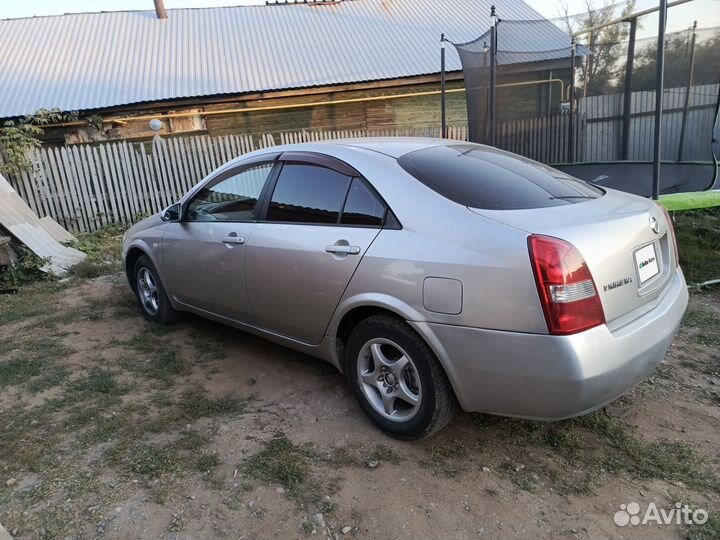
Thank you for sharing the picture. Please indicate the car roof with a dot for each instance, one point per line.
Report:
(395, 147)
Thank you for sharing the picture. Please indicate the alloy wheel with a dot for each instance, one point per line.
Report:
(388, 379)
(148, 291)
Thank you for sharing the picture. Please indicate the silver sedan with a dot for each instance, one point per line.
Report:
(434, 274)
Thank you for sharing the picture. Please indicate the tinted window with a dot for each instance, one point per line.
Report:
(362, 207)
(482, 177)
(232, 199)
(308, 194)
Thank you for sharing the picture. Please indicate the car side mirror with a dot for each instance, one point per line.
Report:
(172, 213)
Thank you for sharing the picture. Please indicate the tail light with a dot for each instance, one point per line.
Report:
(567, 291)
(671, 234)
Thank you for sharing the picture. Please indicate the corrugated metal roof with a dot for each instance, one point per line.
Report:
(97, 60)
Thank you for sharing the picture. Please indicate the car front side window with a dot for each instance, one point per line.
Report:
(232, 197)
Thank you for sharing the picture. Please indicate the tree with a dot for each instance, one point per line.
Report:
(17, 138)
(602, 71)
(677, 58)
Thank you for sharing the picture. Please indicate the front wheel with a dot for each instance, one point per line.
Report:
(397, 380)
(151, 295)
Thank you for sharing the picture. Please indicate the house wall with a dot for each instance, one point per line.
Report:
(411, 112)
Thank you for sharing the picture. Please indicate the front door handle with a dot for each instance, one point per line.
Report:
(343, 250)
(233, 239)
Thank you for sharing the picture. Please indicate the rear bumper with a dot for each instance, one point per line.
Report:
(555, 377)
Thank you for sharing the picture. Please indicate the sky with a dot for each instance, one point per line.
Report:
(706, 11)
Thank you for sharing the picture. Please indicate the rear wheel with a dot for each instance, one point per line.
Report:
(397, 380)
(151, 295)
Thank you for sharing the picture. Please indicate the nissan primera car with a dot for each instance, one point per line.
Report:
(434, 274)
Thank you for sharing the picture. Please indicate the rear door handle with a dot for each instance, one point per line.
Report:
(233, 239)
(343, 250)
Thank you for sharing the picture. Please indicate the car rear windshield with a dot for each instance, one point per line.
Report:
(486, 178)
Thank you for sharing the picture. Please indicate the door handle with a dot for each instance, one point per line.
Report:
(233, 239)
(343, 250)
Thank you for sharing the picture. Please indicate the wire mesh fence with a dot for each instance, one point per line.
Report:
(604, 80)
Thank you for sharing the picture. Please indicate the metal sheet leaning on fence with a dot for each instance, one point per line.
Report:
(21, 222)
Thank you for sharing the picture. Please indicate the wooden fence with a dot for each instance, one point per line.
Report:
(86, 187)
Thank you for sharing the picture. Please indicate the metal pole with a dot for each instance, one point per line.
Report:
(160, 9)
(625, 18)
(571, 120)
(627, 102)
(659, 87)
(493, 73)
(443, 118)
(686, 108)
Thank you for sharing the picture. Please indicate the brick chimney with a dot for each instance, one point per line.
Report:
(160, 9)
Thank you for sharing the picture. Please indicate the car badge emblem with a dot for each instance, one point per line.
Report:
(654, 225)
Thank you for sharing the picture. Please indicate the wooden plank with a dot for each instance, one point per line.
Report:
(125, 183)
(133, 180)
(26, 186)
(68, 182)
(109, 185)
(31, 183)
(157, 157)
(146, 208)
(48, 155)
(85, 186)
(47, 199)
(174, 163)
(124, 207)
(151, 177)
(189, 178)
(103, 202)
(192, 160)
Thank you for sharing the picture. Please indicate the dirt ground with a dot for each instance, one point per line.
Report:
(116, 428)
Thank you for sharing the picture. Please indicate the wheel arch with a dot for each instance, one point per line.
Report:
(133, 253)
(356, 310)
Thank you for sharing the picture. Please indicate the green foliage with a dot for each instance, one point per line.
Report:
(18, 137)
(27, 269)
(207, 461)
(104, 251)
(677, 60)
(709, 530)
(602, 70)
(154, 461)
(196, 404)
(282, 462)
(15, 141)
(698, 238)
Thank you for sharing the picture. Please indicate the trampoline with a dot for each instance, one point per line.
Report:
(624, 117)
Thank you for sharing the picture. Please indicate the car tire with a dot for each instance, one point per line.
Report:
(150, 293)
(397, 380)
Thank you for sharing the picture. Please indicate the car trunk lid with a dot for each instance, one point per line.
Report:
(625, 241)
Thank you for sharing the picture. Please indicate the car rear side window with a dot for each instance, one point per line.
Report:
(307, 193)
(233, 197)
(490, 179)
(362, 207)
